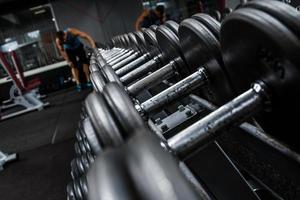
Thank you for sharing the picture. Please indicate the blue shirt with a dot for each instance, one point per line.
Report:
(72, 42)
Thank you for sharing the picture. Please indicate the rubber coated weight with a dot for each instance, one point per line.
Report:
(268, 51)
(102, 120)
(91, 136)
(110, 75)
(108, 177)
(210, 23)
(201, 48)
(70, 192)
(121, 106)
(172, 25)
(281, 11)
(98, 80)
(150, 37)
(168, 42)
(150, 167)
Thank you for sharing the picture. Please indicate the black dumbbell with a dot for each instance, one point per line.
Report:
(77, 190)
(139, 170)
(80, 165)
(136, 41)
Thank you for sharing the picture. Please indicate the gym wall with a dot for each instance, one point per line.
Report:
(102, 19)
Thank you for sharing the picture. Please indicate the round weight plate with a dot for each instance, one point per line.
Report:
(201, 48)
(127, 116)
(150, 37)
(108, 177)
(82, 147)
(102, 120)
(210, 23)
(70, 192)
(151, 167)
(74, 169)
(77, 149)
(77, 190)
(124, 40)
(133, 43)
(80, 166)
(97, 80)
(265, 49)
(110, 75)
(91, 137)
(83, 185)
(87, 145)
(173, 26)
(168, 42)
(142, 42)
(140, 38)
(94, 67)
(281, 11)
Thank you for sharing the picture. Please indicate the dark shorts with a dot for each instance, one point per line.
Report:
(79, 53)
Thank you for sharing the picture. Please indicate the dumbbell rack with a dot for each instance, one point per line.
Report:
(245, 162)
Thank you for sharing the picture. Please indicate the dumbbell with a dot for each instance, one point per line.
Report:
(171, 69)
(127, 40)
(267, 83)
(139, 170)
(77, 190)
(196, 79)
(136, 41)
(158, 59)
(87, 143)
(80, 165)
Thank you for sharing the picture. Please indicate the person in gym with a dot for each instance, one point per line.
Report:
(150, 17)
(71, 48)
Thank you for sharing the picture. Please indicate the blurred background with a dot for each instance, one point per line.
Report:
(28, 27)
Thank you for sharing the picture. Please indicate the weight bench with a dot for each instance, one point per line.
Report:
(22, 93)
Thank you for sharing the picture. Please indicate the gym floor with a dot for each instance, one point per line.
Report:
(44, 142)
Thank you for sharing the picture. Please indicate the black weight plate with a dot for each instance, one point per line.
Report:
(123, 109)
(77, 190)
(265, 49)
(94, 67)
(212, 24)
(91, 136)
(281, 11)
(70, 192)
(83, 186)
(140, 38)
(201, 48)
(141, 41)
(151, 168)
(126, 40)
(168, 42)
(150, 37)
(110, 75)
(97, 80)
(108, 177)
(102, 120)
(133, 43)
(86, 145)
(82, 147)
(74, 169)
(77, 148)
(173, 26)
